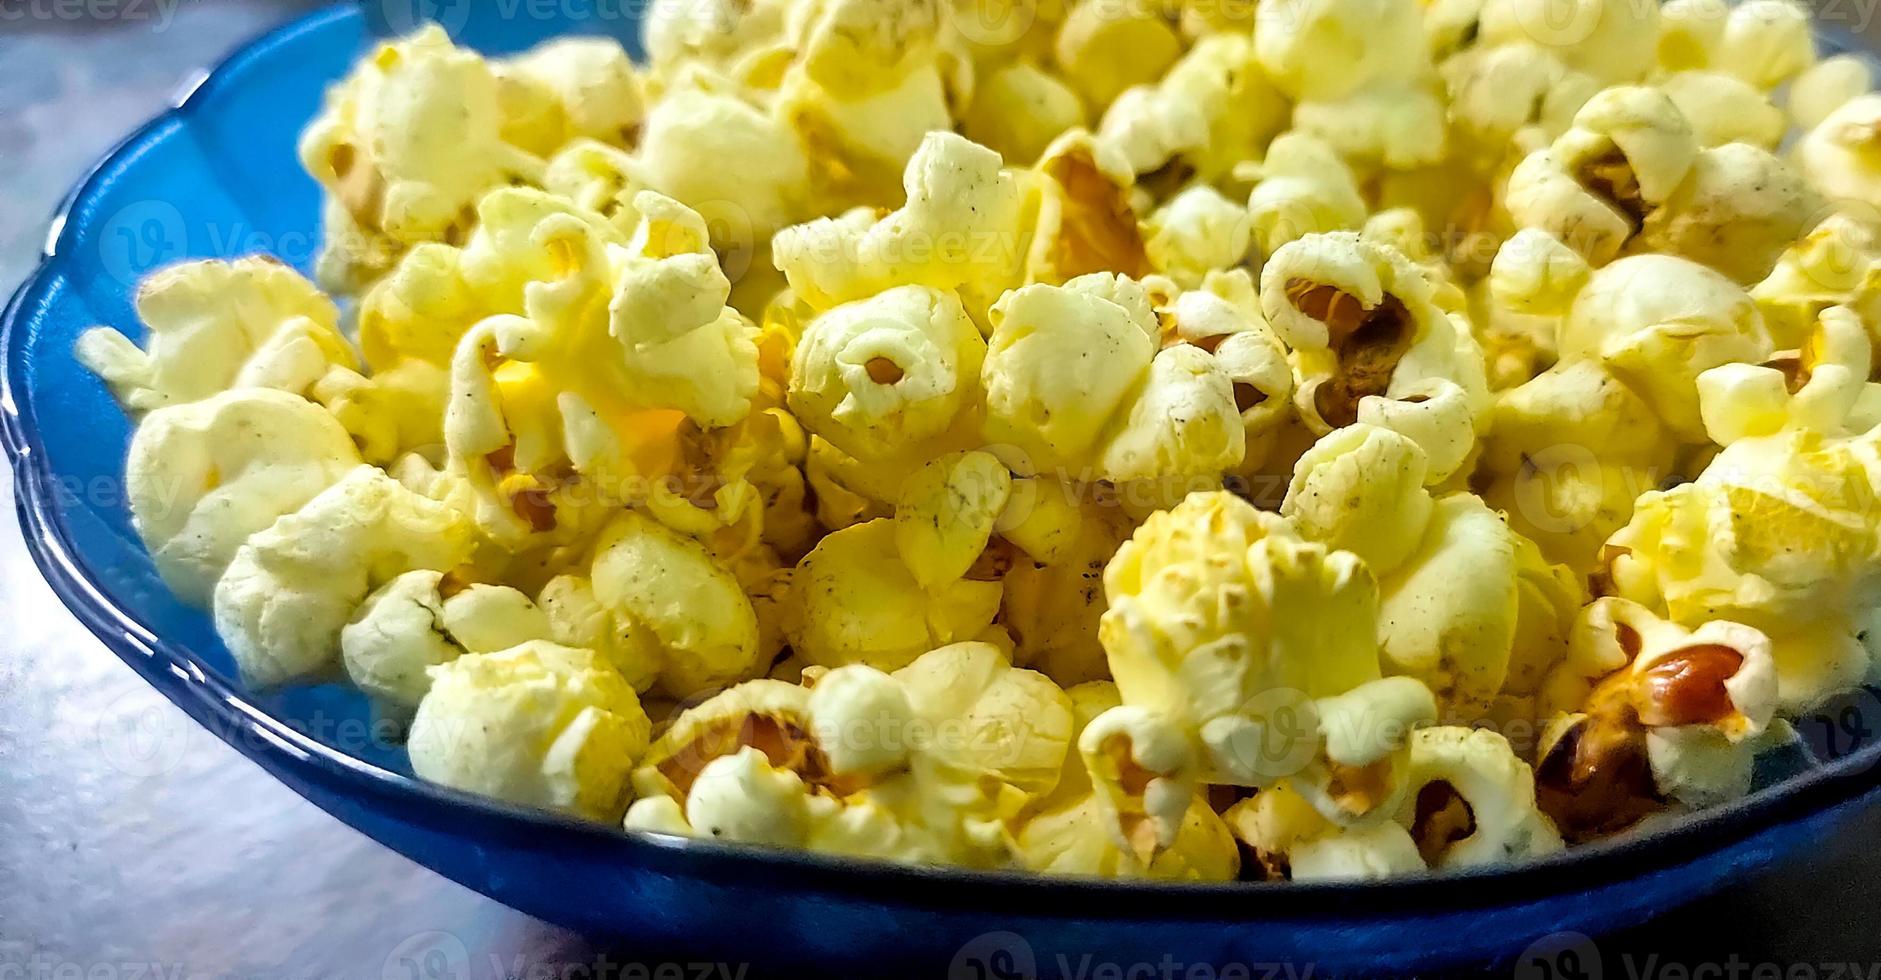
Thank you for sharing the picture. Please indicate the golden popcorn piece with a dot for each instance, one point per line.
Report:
(699, 122)
(1216, 688)
(422, 619)
(1825, 86)
(1612, 40)
(576, 617)
(1498, 92)
(1471, 801)
(202, 476)
(1391, 124)
(1303, 188)
(1642, 695)
(1019, 108)
(1050, 409)
(853, 600)
(1198, 231)
(1065, 833)
(960, 229)
(1836, 264)
(887, 376)
(1054, 596)
(1291, 841)
(536, 724)
(291, 587)
(1657, 322)
(1736, 211)
(702, 621)
(1724, 109)
(1628, 149)
(991, 719)
(947, 514)
(1106, 48)
(1086, 224)
(569, 89)
(1215, 108)
(396, 164)
(1363, 324)
(1321, 50)
(1837, 155)
(214, 325)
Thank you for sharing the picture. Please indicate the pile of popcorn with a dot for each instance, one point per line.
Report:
(1170, 438)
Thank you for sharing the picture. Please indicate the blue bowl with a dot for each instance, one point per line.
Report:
(217, 177)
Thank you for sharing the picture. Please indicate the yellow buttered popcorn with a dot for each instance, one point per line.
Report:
(1365, 328)
(1837, 154)
(1303, 188)
(853, 599)
(890, 375)
(1612, 40)
(1212, 686)
(217, 325)
(582, 88)
(537, 724)
(959, 229)
(1316, 440)
(405, 147)
(202, 476)
(1472, 801)
(1648, 714)
(701, 622)
(289, 590)
(422, 619)
(1065, 832)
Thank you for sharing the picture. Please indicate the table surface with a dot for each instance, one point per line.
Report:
(134, 844)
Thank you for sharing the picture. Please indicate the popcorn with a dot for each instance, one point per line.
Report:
(1736, 212)
(1627, 151)
(1612, 40)
(1292, 841)
(203, 476)
(1086, 223)
(1657, 322)
(1214, 109)
(1473, 801)
(1322, 50)
(536, 724)
(829, 381)
(1019, 109)
(1051, 410)
(853, 600)
(1826, 86)
(887, 375)
(420, 620)
(1363, 325)
(700, 619)
(1304, 188)
(1643, 693)
(1167, 621)
(217, 325)
(1724, 109)
(690, 133)
(958, 230)
(1836, 155)
(1066, 833)
(290, 589)
(569, 89)
(395, 165)
(1767, 42)
(1105, 48)
(1198, 231)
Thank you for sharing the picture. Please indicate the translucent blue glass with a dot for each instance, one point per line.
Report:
(217, 177)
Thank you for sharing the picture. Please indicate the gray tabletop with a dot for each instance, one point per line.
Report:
(133, 844)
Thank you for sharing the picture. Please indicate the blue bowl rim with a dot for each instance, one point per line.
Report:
(182, 677)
